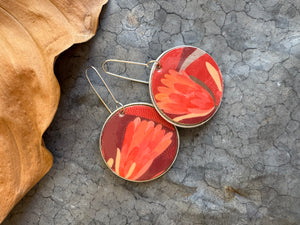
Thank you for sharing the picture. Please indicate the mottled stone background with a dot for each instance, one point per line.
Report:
(252, 144)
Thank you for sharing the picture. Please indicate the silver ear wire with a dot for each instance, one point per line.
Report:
(158, 65)
(113, 97)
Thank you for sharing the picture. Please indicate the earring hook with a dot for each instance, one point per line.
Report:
(158, 65)
(107, 88)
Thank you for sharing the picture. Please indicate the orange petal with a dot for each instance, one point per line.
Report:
(162, 146)
(137, 121)
(159, 173)
(180, 99)
(138, 134)
(142, 158)
(150, 125)
(142, 170)
(191, 115)
(163, 90)
(162, 97)
(130, 170)
(172, 108)
(128, 134)
(183, 88)
(169, 83)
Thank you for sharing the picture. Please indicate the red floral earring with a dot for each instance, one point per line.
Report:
(136, 143)
(185, 85)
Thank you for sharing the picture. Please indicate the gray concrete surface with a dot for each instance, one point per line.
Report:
(252, 144)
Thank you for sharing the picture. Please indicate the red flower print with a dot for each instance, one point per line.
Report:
(143, 142)
(182, 96)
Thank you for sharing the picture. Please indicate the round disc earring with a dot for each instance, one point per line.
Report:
(136, 143)
(185, 85)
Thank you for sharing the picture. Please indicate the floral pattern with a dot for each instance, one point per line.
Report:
(188, 87)
(143, 143)
(138, 145)
(181, 95)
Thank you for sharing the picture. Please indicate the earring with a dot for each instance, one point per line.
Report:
(185, 85)
(136, 143)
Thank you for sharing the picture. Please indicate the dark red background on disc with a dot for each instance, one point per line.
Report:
(114, 131)
(197, 69)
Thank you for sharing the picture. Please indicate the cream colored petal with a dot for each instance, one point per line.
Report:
(143, 170)
(191, 58)
(191, 115)
(110, 162)
(215, 75)
(118, 158)
(132, 167)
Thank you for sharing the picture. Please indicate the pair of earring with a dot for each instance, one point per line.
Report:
(139, 142)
